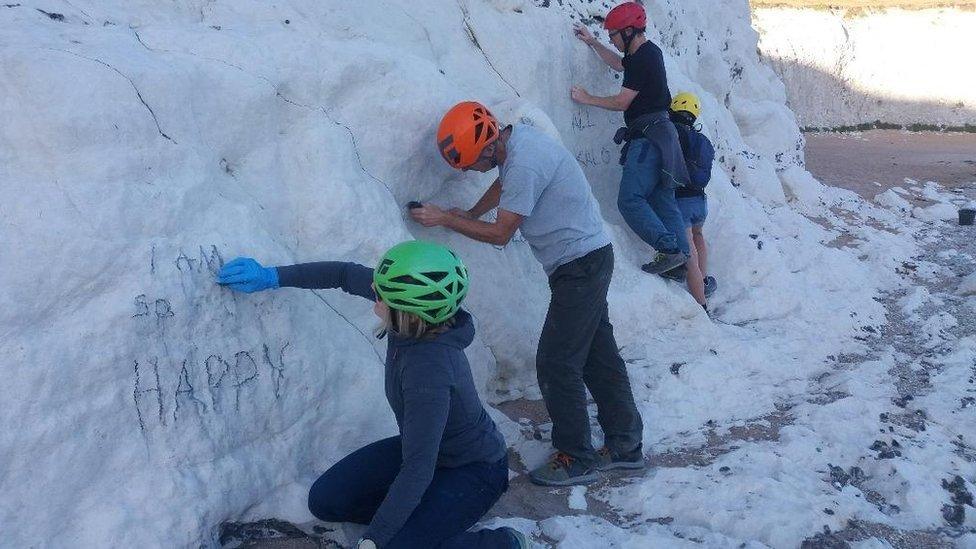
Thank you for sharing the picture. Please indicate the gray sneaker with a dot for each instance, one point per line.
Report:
(632, 461)
(563, 470)
(664, 262)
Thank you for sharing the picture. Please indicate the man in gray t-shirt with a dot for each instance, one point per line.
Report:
(542, 191)
(543, 183)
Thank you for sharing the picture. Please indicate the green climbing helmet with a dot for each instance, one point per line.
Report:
(422, 278)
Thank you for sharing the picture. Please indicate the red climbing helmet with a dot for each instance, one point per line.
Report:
(628, 14)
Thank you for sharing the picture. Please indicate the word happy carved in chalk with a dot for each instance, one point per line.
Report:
(169, 385)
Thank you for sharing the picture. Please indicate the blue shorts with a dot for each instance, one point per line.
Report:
(694, 210)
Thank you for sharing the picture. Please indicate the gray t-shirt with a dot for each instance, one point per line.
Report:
(543, 182)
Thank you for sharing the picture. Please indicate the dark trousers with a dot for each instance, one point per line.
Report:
(577, 352)
(353, 489)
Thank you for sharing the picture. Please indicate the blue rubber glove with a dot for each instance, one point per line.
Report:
(247, 275)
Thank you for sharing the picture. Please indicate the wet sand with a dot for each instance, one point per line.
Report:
(872, 161)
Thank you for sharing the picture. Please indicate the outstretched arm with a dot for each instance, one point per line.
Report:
(619, 102)
(247, 275)
(351, 278)
(497, 233)
(611, 58)
(488, 201)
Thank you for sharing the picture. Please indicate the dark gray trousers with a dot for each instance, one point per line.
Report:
(577, 351)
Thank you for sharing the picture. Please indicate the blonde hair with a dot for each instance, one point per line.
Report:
(411, 326)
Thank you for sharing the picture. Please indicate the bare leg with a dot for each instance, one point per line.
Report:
(693, 278)
(699, 243)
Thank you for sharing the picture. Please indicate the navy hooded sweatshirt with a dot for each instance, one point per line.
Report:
(430, 389)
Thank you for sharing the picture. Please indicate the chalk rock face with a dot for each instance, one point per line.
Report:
(894, 66)
(967, 286)
(143, 144)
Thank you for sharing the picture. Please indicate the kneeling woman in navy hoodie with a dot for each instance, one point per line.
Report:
(448, 466)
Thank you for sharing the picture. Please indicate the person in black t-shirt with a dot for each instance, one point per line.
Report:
(653, 164)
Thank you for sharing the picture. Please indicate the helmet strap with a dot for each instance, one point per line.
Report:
(628, 38)
(494, 153)
(503, 134)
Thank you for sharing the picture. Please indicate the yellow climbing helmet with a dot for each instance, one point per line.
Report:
(686, 102)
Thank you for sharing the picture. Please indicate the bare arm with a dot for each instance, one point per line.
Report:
(618, 102)
(488, 201)
(497, 233)
(612, 59)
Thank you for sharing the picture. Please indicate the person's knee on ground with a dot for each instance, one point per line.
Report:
(322, 499)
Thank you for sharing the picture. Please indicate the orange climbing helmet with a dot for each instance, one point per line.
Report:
(464, 132)
(628, 14)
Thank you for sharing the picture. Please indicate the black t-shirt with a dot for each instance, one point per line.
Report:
(644, 73)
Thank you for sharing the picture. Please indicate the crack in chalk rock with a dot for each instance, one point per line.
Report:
(281, 96)
(131, 83)
(474, 40)
(349, 322)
